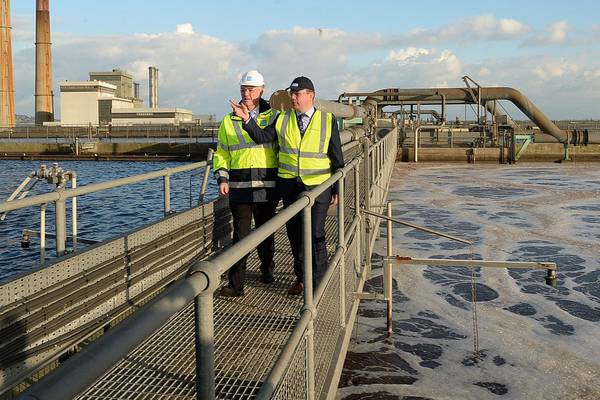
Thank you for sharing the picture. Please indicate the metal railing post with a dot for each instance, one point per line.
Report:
(61, 226)
(205, 346)
(342, 243)
(387, 271)
(74, 212)
(366, 228)
(167, 193)
(209, 158)
(308, 301)
(357, 211)
(43, 233)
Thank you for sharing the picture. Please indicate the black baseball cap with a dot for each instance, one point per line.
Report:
(300, 83)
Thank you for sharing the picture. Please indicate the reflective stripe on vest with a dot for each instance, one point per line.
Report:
(292, 158)
(252, 184)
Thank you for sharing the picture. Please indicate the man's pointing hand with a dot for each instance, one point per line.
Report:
(240, 110)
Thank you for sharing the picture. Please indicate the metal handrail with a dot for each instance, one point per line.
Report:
(94, 187)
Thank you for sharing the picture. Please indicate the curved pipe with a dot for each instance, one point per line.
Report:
(431, 96)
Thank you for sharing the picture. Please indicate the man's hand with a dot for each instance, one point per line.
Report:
(240, 110)
(334, 200)
(224, 189)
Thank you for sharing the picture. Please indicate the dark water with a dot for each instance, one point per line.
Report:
(100, 215)
(536, 342)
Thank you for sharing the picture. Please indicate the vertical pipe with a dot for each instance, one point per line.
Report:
(204, 346)
(308, 301)
(43, 64)
(7, 91)
(43, 233)
(342, 243)
(61, 226)
(74, 211)
(153, 87)
(387, 271)
(209, 158)
(167, 193)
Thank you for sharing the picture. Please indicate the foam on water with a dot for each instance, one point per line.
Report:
(536, 342)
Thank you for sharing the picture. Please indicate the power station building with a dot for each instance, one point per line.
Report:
(84, 103)
(113, 98)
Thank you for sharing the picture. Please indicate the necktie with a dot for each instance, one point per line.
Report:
(302, 122)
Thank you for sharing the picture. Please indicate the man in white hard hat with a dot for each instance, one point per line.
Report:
(310, 150)
(247, 172)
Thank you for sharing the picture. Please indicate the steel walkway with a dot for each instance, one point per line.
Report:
(250, 333)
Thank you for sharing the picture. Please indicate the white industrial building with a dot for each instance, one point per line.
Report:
(140, 116)
(84, 103)
(112, 98)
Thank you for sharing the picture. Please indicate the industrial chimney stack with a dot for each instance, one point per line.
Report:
(153, 87)
(44, 105)
(7, 91)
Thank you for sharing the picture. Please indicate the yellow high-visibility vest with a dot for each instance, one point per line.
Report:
(304, 156)
(237, 151)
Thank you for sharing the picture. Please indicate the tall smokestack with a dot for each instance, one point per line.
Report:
(44, 106)
(7, 91)
(153, 87)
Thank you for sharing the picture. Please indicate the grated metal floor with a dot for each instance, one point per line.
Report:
(249, 334)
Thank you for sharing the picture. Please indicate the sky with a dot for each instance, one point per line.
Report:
(549, 50)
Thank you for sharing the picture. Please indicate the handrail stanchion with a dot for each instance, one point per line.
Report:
(387, 271)
(366, 224)
(74, 212)
(60, 208)
(209, 158)
(205, 346)
(357, 212)
(342, 243)
(308, 300)
(167, 193)
(43, 233)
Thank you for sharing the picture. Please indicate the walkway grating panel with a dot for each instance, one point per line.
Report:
(249, 334)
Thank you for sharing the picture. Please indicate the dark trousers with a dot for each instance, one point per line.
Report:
(242, 214)
(289, 190)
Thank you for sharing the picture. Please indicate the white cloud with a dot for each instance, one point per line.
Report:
(418, 68)
(556, 69)
(486, 26)
(556, 33)
(408, 55)
(185, 29)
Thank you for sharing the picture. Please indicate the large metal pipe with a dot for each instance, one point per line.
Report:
(281, 100)
(348, 111)
(44, 106)
(153, 87)
(462, 95)
(7, 91)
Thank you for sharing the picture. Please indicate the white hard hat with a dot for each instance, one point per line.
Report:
(252, 78)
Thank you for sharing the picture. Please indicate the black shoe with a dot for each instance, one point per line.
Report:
(267, 278)
(230, 292)
(296, 289)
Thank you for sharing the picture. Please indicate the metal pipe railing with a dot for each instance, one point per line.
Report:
(95, 187)
(60, 196)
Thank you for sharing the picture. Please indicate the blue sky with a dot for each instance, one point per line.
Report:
(549, 50)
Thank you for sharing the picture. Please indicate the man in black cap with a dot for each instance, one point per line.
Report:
(310, 151)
